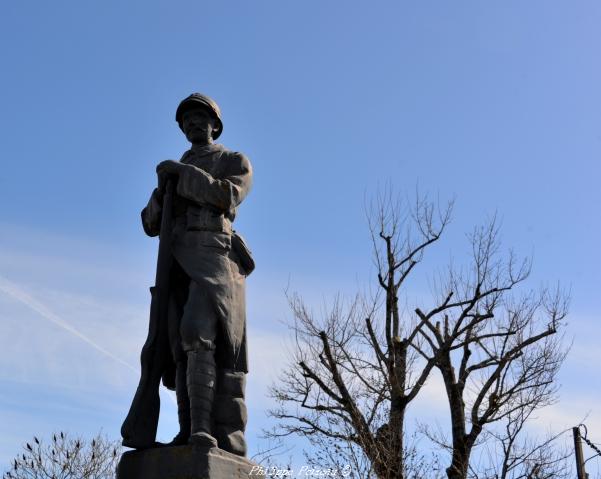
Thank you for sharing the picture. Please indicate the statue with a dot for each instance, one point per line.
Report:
(197, 335)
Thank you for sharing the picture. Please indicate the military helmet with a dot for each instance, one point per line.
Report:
(200, 100)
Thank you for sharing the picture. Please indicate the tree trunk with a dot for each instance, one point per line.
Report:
(396, 453)
(388, 461)
(459, 463)
(461, 445)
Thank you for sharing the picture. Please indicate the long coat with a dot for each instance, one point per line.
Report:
(209, 190)
(210, 187)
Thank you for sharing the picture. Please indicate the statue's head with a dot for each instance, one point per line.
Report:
(199, 118)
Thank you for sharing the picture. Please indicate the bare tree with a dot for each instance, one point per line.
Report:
(66, 458)
(353, 373)
(498, 354)
(356, 368)
(523, 456)
(508, 450)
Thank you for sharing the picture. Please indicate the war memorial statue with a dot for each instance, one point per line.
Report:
(197, 333)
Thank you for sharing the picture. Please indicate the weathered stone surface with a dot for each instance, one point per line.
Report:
(185, 462)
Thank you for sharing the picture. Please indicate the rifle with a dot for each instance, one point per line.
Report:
(140, 426)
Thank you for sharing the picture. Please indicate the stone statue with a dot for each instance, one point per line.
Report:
(197, 336)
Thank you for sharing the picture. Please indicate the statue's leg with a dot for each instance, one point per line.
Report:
(198, 333)
(183, 405)
(177, 298)
(230, 414)
(201, 389)
(230, 411)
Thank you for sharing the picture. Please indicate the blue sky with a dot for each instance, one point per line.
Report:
(495, 104)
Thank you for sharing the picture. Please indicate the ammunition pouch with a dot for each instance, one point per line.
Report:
(243, 253)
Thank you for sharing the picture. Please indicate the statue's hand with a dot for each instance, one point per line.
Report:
(170, 167)
(165, 170)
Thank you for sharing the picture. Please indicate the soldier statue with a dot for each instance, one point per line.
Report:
(197, 334)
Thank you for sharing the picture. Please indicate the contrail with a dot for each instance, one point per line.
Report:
(17, 293)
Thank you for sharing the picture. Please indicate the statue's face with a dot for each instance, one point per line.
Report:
(198, 126)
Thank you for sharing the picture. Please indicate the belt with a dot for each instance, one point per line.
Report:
(203, 219)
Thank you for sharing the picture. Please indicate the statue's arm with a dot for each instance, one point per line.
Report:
(224, 193)
(151, 214)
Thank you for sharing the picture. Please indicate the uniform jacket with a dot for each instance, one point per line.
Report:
(209, 190)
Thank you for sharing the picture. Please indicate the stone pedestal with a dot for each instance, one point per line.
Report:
(185, 462)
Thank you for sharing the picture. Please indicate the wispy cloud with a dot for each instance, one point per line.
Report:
(11, 289)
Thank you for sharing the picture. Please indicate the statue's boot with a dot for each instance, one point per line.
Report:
(230, 414)
(183, 406)
(201, 390)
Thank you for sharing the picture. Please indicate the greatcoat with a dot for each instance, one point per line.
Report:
(210, 187)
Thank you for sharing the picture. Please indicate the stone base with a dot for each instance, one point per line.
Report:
(185, 462)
